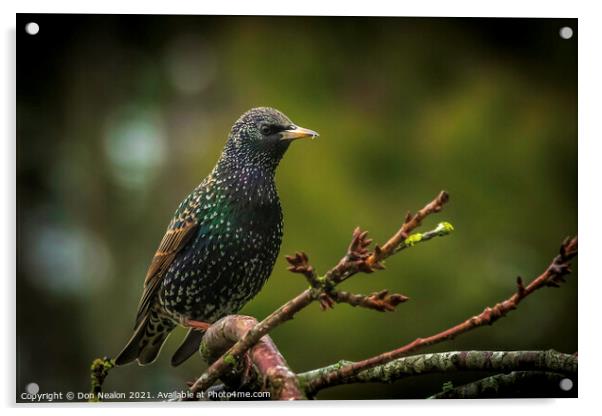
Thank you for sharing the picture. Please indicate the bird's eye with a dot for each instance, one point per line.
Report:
(266, 130)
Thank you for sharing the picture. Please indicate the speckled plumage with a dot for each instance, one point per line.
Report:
(222, 243)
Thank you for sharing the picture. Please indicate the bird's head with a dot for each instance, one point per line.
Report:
(262, 135)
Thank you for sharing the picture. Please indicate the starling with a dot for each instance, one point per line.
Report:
(222, 243)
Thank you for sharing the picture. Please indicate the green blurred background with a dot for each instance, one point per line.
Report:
(119, 117)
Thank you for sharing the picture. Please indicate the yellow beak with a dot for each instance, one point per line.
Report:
(298, 133)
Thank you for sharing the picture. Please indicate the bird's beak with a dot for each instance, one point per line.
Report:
(296, 132)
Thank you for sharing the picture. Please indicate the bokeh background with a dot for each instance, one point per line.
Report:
(119, 117)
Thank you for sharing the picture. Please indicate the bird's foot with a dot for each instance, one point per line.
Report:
(189, 323)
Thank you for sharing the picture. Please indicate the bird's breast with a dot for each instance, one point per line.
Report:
(228, 261)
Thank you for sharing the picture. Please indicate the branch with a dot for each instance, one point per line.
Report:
(228, 360)
(358, 258)
(265, 368)
(99, 370)
(447, 362)
(382, 301)
(503, 385)
(552, 276)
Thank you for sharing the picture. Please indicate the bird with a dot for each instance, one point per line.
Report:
(222, 243)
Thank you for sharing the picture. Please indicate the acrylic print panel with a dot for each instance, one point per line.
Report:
(156, 210)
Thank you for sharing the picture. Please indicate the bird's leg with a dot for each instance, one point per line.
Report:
(189, 323)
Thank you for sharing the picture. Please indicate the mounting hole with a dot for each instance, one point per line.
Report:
(566, 32)
(32, 388)
(566, 384)
(32, 28)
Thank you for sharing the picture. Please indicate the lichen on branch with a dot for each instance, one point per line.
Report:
(502, 385)
(454, 361)
(99, 370)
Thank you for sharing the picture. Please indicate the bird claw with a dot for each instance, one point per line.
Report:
(198, 325)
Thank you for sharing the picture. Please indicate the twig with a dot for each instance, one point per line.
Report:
(381, 301)
(99, 370)
(552, 276)
(446, 362)
(358, 258)
(505, 385)
(411, 222)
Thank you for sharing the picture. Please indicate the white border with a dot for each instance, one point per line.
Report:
(590, 135)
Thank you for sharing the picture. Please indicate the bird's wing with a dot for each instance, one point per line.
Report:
(175, 239)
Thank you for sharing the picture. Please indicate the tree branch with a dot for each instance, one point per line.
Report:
(99, 370)
(357, 259)
(553, 275)
(454, 361)
(381, 301)
(502, 385)
(228, 360)
(265, 368)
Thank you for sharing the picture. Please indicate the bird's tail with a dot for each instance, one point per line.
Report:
(189, 346)
(149, 336)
